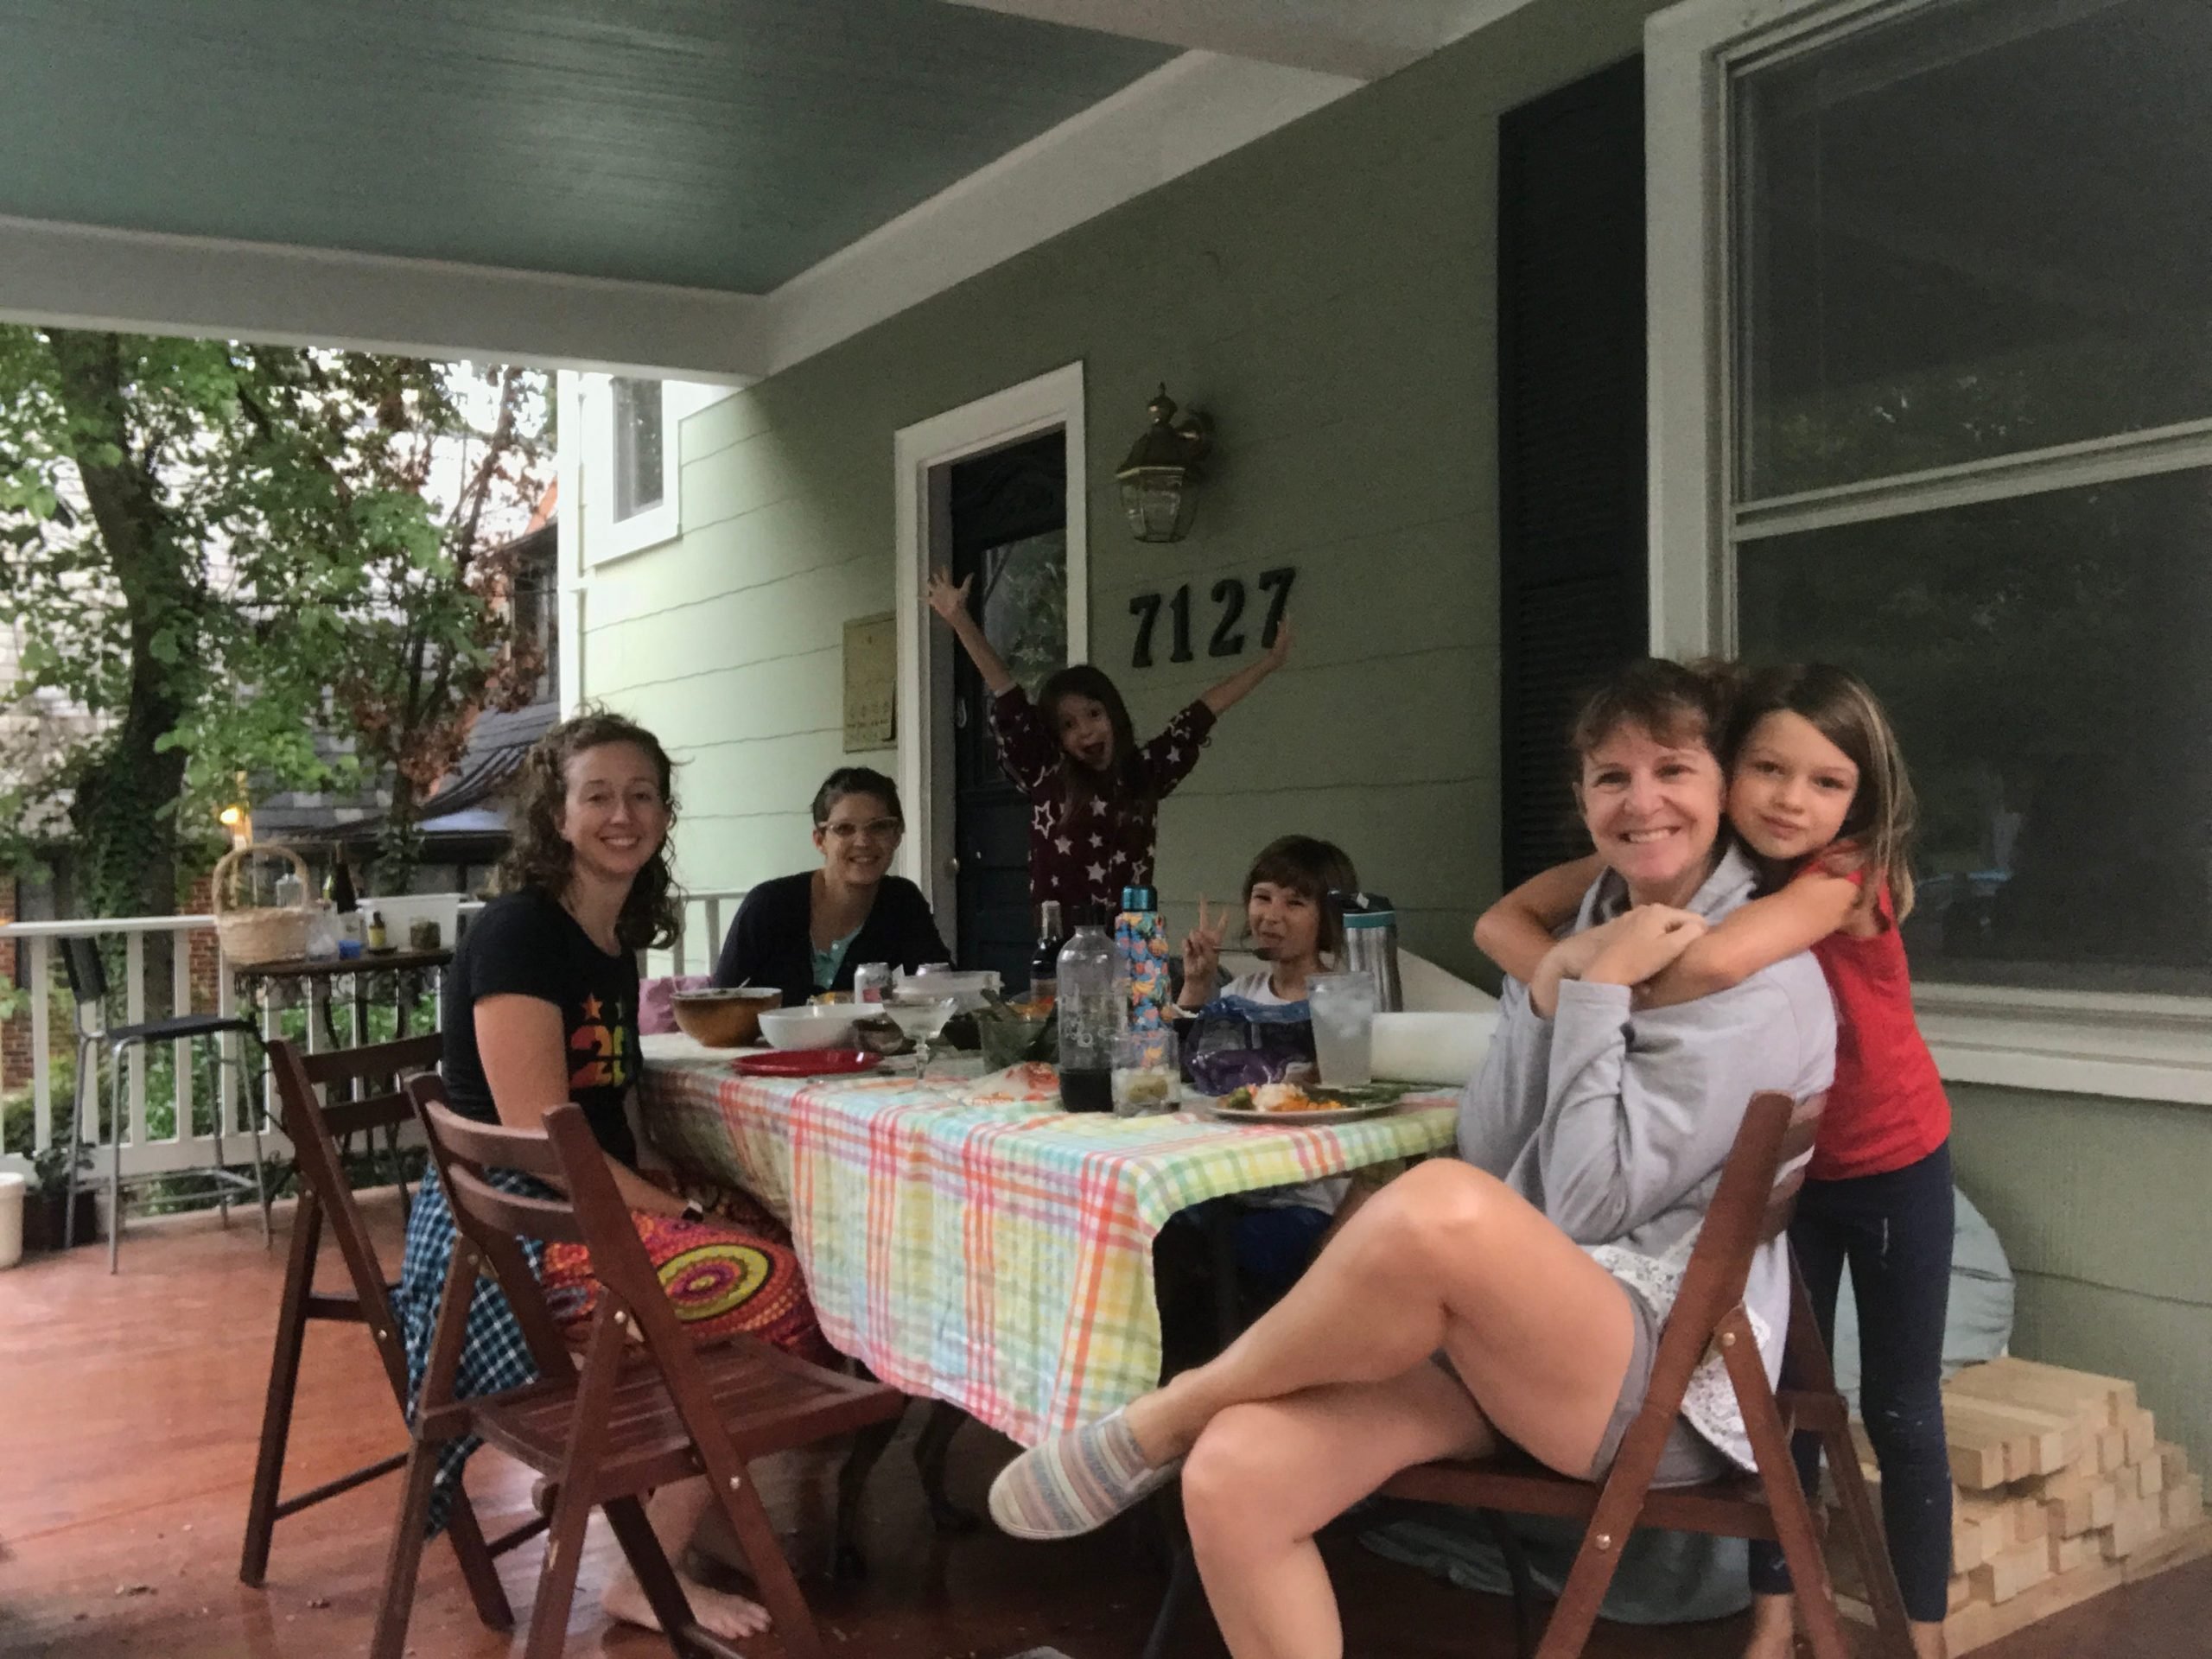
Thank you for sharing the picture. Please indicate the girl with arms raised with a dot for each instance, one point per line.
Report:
(1094, 792)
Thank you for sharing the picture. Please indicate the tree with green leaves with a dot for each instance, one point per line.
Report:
(216, 551)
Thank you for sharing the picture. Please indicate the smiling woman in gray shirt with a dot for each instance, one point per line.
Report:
(1514, 1295)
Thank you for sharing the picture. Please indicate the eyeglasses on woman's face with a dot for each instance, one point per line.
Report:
(848, 831)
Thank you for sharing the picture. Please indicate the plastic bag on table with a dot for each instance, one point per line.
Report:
(1233, 1044)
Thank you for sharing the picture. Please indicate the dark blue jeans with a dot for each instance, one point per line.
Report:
(1895, 1230)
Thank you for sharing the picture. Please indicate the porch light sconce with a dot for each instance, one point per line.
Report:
(1159, 479)
(238, 823)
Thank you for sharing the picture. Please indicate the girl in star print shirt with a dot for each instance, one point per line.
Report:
(1094, 792)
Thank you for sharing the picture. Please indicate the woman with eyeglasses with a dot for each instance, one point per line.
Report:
(805, 933)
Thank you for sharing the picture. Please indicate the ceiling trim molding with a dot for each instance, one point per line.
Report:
(1360, 38)
(1181, 116)
(86, 275)
(1364, 41)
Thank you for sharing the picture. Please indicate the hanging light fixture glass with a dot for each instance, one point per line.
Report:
(1159, 479)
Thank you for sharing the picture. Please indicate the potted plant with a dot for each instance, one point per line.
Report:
(43, 1212)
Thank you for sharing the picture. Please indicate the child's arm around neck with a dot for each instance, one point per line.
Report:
(1517, 931)
(1757, 935)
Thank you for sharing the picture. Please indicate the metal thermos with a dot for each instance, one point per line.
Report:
(1371, 944)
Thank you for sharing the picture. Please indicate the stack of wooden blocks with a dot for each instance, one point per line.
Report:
(2064, 1491)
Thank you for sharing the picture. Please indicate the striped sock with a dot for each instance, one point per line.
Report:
(1076, 1482)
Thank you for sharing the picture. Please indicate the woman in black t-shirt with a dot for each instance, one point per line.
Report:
(541, 1007)
(807, 932)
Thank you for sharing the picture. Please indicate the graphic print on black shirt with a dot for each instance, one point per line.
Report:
(597, 1050)
(525, 944)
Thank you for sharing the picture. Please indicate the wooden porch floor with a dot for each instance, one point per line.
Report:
(130, 1406)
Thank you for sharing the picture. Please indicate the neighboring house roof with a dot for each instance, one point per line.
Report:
(470, 801)
(467, 808)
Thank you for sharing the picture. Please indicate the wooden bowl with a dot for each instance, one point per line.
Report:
(724, 1019)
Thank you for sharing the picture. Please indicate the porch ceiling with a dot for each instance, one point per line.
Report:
(710, 187)
(723, 145)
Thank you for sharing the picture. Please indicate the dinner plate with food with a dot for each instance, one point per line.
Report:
(1303, 1104)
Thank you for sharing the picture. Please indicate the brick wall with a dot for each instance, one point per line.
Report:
(16, 1033)
(205, 954)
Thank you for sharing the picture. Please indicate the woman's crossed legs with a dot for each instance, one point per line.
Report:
(1333, 1390)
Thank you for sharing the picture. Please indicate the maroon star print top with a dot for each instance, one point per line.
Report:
(1083, 850)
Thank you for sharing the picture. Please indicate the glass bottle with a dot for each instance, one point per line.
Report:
(340, 892)
(1093, 1006)
(1044, 960)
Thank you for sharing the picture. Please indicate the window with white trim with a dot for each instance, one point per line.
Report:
(1938, 407)
(638, 486)
(636, 502)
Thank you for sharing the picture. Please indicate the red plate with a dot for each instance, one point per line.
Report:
(806, 1063)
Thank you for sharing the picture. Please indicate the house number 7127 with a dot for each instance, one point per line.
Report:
(1228, 594)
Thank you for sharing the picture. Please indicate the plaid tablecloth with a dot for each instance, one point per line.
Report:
(998, 1256)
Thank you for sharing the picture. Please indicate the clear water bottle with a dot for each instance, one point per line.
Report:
(1093, 1003)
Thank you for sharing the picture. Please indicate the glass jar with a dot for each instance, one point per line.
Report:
(1146, 1079)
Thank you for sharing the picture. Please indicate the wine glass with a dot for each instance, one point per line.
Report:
(923, 1020)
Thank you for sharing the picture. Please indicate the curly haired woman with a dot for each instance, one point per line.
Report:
(541, 1007)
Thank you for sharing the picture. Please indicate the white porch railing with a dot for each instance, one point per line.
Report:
(703, 919)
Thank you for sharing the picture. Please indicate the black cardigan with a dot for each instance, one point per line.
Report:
(771, 943)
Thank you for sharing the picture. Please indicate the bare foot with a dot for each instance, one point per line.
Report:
(1773, 1628)
(718, 1613)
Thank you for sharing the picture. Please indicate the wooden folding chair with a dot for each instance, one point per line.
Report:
(1756, 1195)
(647, 1408)
(326, 1200)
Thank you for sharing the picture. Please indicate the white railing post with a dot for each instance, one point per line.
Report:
(713, 929)
(42, 1044)
(134, 1013)
(180, 1051)
(231, 1048)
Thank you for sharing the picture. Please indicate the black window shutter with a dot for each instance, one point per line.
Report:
(1571, 435)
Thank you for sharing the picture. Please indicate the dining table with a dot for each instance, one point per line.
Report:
(970, 1241)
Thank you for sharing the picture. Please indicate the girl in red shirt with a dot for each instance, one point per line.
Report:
(1818, 791)
(1094, 791)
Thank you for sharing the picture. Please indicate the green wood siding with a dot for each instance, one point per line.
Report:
(1326, 294)
(2101, 1204)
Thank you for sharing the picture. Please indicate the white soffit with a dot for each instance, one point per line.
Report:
(89, 277)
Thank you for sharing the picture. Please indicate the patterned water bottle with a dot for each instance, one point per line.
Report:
(1142, 948)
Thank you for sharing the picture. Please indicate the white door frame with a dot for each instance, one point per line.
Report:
(921, 453)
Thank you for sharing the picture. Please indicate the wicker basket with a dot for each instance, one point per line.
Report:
(260, 934)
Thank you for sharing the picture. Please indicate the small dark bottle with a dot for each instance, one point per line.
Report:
(1044, 960)
(342, 897)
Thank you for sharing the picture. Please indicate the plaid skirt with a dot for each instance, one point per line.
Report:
(719, 1277)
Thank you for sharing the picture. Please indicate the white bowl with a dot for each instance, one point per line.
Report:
(822, 1024)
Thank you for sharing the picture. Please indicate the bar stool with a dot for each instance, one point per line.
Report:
(88, 987)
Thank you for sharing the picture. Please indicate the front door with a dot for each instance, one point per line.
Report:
(1009, 534)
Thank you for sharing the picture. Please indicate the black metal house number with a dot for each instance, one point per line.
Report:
(1226, 641)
